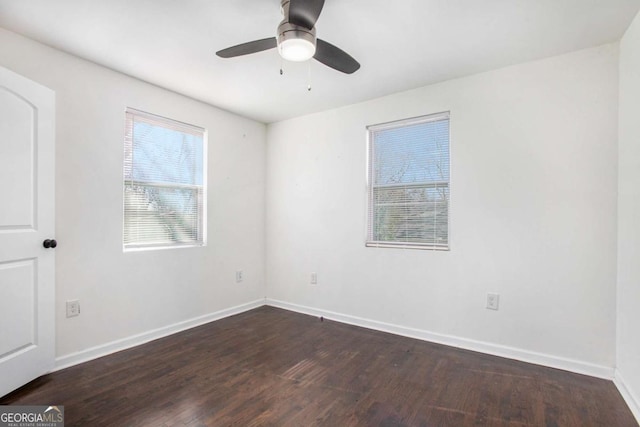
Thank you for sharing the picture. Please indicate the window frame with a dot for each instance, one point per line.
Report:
(201, 190)
(395, 124)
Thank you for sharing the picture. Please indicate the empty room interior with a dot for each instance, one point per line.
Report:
(309, 212)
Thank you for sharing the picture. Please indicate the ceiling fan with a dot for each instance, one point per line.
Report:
(297, 41)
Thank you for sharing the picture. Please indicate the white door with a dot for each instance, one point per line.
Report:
(27, 294)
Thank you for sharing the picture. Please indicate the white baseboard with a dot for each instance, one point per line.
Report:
(632, 401)
(135, 340)
(464, 343)
(570, 365)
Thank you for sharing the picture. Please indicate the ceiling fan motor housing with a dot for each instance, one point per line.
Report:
(295, 43)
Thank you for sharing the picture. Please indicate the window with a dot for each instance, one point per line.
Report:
(164, 176)
(409, 183)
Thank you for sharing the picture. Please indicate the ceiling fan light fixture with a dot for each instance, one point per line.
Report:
(295, 43)
(297, 50)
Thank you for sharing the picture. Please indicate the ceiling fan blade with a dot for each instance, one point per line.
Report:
(305, 13)
(247, 48)
(335, 58)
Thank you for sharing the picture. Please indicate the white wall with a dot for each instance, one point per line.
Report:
(533, 211)
(126, 294)
(628, 342)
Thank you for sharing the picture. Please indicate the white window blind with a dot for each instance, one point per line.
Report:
(409, 183)
(164, 176)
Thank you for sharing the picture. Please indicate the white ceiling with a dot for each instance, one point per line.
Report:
(400, 44)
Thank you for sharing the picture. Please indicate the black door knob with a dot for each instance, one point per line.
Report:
(50, 243)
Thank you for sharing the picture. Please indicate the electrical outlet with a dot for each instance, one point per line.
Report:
(73, 308)
(239, 276)
(493, 301)
(314, 278)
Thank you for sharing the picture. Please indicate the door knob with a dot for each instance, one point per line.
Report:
(50, 243)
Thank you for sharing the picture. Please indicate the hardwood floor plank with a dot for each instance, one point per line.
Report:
(271, 367)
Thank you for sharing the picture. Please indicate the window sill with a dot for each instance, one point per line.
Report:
(161, 247)
(407, 246)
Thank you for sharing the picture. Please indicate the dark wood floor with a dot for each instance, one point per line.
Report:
(274, 367)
